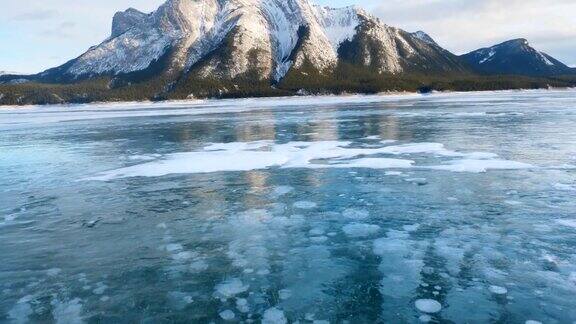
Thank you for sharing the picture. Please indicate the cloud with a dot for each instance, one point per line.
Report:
(465, 25)
(35, 15)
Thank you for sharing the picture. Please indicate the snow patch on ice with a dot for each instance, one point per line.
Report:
(258, 155)
(481, 166)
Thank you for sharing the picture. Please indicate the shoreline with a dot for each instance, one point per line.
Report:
(191, 103)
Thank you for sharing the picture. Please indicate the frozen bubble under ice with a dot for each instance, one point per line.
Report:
(227, 315)
(285, 294)
(274, 316)
(242, 305)
(429, 306)
(174, 247)
(305, 205)
(282, 190)
(497, 290)
(231, 288)
(319, 239)
(360, 229)
(53, 272)
(357, 214)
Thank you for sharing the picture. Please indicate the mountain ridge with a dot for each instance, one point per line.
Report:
(224, 48)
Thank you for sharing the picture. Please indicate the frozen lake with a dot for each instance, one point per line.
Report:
(449, 208)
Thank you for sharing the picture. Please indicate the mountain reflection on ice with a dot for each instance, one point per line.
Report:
(444, 208)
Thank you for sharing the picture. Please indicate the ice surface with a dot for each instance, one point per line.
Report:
(565, 187)
(205, 243)
(429, 306)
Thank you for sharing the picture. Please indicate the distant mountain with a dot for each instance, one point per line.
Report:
(515, 57)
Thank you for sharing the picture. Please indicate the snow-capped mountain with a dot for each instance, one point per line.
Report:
(230, 38)
(515, 57)
(239, 48)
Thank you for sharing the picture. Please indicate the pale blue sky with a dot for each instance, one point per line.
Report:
(38, 34)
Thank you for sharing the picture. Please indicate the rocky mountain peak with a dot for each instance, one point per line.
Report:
(125, 20)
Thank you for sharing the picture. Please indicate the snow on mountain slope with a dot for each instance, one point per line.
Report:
(192, 29)
(339, 24)
(229, 38)
(424, 37)
(138, 40)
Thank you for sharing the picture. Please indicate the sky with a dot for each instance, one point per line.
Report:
(39, 34)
